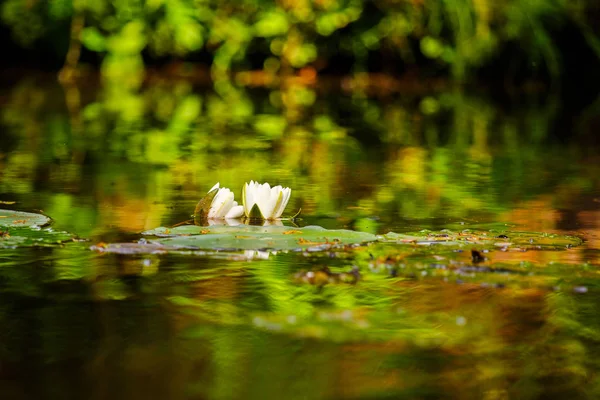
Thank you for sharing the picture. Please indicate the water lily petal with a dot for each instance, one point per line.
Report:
(272, 204)
(212, 212)
(221, 204)
(280, 198)
(217, 203)
(214, 187)
(257, 195)
(263, 197)
(235, 212)
(286, 193)
(226, 205)
(248, 197)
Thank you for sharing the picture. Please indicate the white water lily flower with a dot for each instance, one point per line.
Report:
(270, 201)
(223, 205)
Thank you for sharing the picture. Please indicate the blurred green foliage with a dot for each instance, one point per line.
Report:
(456, 35)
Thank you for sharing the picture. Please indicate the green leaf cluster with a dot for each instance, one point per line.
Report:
(458, 35)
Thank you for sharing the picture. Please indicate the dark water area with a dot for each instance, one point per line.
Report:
(424, 321)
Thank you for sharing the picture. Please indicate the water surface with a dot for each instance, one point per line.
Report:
(422, 322)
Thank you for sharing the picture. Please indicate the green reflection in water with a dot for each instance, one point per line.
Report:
(421, 322)
(469, 160)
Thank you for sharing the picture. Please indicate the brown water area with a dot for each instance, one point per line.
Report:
(488, 286)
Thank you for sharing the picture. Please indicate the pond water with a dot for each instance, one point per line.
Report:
(472, 308)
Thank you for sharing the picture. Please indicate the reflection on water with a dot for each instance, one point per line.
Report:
(81, 324)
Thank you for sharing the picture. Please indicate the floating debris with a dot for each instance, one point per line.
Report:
(580, 289)
(477, 257)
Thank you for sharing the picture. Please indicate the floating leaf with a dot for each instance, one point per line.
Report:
(24, 236)
(491, 239)
(245, 237)
(130, 248)
(12, 218)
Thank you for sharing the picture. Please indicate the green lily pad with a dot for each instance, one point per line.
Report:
(18, 237)
(22, 229)
(19, 218)
(246, 237)
(490, 239)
